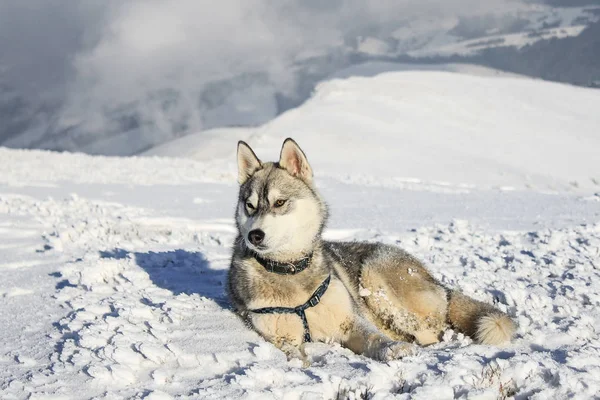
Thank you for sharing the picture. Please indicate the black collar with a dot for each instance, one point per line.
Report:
(289, 268)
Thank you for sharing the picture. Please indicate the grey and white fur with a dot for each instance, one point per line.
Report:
(380, 300)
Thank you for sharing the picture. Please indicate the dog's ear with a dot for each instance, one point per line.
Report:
(292, 158)
(248, 163)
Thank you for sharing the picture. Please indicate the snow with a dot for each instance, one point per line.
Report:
(372, 68)
(113, 270)
(436, 37)
(517, 40)
(444, 129)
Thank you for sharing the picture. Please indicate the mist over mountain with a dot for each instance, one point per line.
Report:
(118, 77)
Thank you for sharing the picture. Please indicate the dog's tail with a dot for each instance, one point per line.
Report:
(481, 321)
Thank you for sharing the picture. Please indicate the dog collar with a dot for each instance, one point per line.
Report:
(290, 268)
(300, 310)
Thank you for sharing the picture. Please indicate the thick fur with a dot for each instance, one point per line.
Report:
(380, 300)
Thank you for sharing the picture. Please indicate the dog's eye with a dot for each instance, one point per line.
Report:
(279, 203)
(250, 206)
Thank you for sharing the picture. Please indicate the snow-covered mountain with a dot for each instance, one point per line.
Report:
(442, 36)
(110, 100)
(432, 127)
(113, 269)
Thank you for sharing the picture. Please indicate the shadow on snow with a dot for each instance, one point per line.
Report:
(179, 271)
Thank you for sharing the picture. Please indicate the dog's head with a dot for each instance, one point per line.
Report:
(279, 212)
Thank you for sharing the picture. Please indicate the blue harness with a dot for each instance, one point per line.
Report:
(300, 310)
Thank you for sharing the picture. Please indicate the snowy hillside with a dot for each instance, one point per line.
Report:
(447, 130)
(113, 270)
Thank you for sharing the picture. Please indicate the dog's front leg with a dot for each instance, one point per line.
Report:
(293, 350)
(363, 338)
(284, 331)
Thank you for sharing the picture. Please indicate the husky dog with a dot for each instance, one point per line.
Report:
(291, 286)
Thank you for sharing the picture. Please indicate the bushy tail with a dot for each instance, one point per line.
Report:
(481, 321)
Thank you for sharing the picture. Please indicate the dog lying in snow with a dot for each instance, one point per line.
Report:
(293, 287)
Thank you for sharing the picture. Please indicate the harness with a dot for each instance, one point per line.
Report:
(287, 269)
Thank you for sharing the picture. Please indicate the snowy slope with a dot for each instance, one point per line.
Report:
(454, 130)
(113, 270)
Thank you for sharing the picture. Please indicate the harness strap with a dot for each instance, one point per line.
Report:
(300, 310)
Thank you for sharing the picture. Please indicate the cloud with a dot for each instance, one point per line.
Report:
(38, 39)
(157, 59)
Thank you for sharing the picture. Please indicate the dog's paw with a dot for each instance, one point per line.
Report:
(395, 350)
(296, 355)
(299, 362)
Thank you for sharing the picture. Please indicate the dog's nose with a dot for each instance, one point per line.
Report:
(256, 236)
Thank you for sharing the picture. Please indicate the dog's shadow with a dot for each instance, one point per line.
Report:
(179, 271)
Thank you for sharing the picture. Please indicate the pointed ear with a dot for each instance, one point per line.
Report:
(248, 163)
(292, 159)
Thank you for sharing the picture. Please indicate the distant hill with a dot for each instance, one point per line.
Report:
(574, 60)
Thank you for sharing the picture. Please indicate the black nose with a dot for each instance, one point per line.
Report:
(256, 237)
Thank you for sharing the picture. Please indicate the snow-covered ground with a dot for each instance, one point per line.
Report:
(113, 270)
